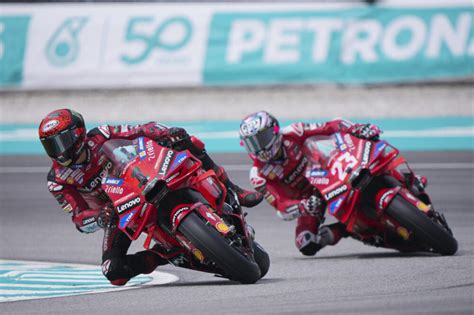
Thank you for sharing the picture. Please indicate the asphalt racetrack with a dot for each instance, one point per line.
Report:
(348, 278)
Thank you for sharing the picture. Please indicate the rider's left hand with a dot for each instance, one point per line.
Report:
(366, 131)
(176, 138)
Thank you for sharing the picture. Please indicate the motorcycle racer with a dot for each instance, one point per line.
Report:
(278, 173)
(77, 171)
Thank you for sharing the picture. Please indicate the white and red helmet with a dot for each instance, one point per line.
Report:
(260, 134)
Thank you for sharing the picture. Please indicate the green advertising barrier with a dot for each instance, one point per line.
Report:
(244, 44)
(352, 46)
(13, 37)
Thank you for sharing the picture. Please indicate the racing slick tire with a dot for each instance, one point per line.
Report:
(261, 258)
(235, 265)
(425, 230)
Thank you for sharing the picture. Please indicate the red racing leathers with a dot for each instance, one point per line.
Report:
(77, 189)
(285, 187)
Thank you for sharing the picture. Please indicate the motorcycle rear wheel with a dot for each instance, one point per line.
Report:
(425, 231)
(214, 246)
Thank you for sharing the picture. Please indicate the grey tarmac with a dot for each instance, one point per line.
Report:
(347, 278)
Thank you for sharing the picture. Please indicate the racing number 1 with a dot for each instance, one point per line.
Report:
(338, 166)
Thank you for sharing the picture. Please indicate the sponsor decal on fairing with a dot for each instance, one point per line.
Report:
(166, 162)
(169, 179)
(141, 148)
(320, 181)
(383, 200)
(127, 205)
(180, 157)
(150, 150)
(366, 153)
(114, 190)
(340, 142)
(318, 173)
(177, 214)
(126, 219)
(112, 181)
(335, 205)
(336, 192)
(349, 142)
(379, 146)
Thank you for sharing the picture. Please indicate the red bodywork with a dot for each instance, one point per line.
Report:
(341, 167)
(142, 164)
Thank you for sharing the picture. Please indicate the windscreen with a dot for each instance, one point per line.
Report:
(318, 149)
(120, 152)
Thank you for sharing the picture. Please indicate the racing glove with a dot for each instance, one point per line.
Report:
(107, 217)
(366, 131)
(313, 206)
(177, 139)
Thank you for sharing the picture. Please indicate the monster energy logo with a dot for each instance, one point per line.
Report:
(63, 46)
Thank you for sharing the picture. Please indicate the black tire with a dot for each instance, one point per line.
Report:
(261, 258)
(426, 231)
(235, 265)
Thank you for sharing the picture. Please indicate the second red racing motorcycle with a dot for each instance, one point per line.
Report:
(358, 181)
(193, 219)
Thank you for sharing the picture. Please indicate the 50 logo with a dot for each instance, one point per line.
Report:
(169, 35)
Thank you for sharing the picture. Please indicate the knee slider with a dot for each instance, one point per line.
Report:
(116, 271)
(307, 244)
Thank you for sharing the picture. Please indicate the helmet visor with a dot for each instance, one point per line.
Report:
(59, 144)
(263, 140)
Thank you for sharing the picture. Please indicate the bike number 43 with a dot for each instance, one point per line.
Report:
(342, 163)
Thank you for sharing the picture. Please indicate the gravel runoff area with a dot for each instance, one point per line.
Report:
(230, 103)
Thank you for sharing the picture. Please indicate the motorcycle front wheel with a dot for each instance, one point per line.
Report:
(262, 259)
(214, 246)
(424, 229)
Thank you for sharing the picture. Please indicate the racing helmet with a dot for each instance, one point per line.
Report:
(62, 133)
(260, 134)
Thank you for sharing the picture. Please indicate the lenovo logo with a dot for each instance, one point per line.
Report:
(128, 205)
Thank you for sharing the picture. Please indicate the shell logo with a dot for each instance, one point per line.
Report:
(403, 233)
(222, 227)
(198, 254)
(422, 206)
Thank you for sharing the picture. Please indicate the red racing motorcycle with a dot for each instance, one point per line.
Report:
(367, 186)
(194, 221)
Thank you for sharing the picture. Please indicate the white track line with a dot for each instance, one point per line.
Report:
(242, 167)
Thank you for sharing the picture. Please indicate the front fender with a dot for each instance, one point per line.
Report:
(384, 197)
(181, 211)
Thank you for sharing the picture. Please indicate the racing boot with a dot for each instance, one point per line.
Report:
(309, 243)
(119, 270)
(418, 186)
(247, 198)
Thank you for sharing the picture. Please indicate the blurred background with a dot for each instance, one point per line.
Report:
(204, 66)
